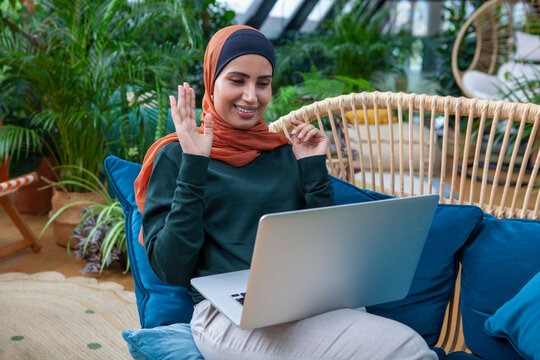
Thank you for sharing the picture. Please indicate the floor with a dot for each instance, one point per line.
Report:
(51, 257)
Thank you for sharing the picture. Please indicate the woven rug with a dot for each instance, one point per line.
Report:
(49, 316)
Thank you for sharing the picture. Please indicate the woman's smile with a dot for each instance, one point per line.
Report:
(246, 112)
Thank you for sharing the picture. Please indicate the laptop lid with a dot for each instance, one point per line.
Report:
(311, 261)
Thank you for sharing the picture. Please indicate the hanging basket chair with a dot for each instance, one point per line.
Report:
(491, 32)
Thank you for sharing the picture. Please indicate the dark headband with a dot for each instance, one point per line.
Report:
(243, 42)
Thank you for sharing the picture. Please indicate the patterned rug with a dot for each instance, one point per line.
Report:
(49, 316)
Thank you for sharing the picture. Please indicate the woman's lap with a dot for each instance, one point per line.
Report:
(338, 334)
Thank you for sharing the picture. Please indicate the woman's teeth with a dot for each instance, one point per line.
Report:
(244, 110)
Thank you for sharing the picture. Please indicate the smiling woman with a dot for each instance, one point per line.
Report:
(202, 191)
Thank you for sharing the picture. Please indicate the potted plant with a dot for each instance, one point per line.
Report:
(79, 60)
(80, 63)
(99, 235)
(21, 156)
(4, 166)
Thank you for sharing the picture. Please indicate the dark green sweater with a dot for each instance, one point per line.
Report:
(201, 215)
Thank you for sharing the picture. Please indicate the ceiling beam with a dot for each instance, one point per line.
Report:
(332, 10)
(378, 6)
(300, 15)
(373, 8)
(261, 13)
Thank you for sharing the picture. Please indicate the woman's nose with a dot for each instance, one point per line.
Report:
(250, 93)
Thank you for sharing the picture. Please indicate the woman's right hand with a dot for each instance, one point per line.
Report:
(183, 114)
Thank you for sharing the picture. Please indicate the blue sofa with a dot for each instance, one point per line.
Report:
(500, 282)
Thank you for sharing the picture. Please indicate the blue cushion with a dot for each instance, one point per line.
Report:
(158, 303)
(162, 343)
(519, 320)
(433, 284)
(504, 256)
(346, 193)
(441, 354)
(460, 355)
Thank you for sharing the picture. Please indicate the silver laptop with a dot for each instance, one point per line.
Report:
(311, 261)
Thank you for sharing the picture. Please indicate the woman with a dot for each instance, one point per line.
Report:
(206, 188)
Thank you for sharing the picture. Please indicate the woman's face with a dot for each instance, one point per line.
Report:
(242, 90)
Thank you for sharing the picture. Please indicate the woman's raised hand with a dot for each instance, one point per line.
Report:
(308, 140)
(183, 114)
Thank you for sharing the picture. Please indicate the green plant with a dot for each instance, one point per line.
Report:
(206, 17)
(101, 237)
(455, 14)
(354, 44)
(313, 87)
(153, 121)
(23, 146)
(101, 232)
(80, 60)
(360, 46)
(525, 88)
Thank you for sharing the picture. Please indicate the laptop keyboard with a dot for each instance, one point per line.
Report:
(239, 297)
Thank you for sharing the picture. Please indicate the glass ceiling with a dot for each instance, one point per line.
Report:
(421, 16)
(280, 14)
(239, 6)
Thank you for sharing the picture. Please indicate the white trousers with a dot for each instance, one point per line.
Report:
(338, 334)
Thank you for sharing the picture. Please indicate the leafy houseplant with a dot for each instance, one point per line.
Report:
(79, 60)
(209, 16)
(525, 89)
(354, 44)
(71, 70)
(100, 235)
(86, 76)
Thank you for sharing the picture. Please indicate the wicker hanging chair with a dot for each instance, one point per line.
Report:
(490, 31)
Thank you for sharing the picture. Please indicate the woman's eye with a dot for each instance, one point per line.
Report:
(263, 84)
(237, 81)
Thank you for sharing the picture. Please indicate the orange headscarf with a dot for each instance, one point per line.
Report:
(233, 146)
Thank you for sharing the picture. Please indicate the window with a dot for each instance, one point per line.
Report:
(239, 6)
(420, 18)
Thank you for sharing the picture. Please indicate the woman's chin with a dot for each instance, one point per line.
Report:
(242, 123)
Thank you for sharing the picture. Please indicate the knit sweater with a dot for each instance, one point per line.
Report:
(201, 214)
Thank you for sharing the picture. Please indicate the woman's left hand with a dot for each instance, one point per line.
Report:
(308, 140)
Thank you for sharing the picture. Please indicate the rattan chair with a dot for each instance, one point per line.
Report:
(417, 157)
(491, 27)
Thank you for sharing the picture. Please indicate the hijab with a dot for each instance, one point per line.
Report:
(236, 147)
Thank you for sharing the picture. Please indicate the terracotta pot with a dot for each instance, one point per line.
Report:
(29, 199)
(66, 222)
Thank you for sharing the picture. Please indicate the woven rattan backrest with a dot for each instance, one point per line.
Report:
(492, 28)
(446, 155)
